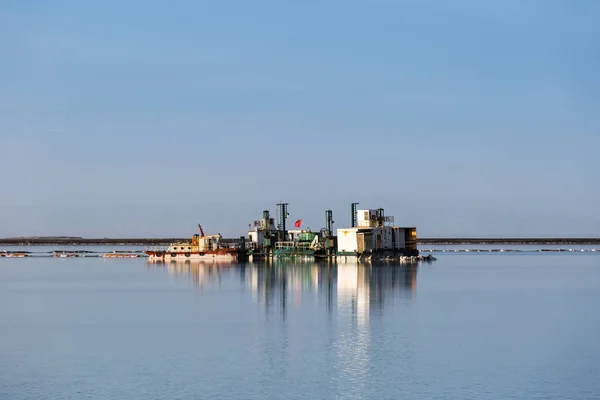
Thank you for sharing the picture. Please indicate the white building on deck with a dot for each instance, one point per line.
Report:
(372, 235)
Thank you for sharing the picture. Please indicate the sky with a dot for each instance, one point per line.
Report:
(144, 118)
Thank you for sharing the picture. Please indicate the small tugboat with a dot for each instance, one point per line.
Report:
(202, 247)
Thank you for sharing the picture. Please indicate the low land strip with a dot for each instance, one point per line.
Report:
(79, 241)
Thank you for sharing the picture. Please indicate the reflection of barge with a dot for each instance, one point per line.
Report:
(201, 247)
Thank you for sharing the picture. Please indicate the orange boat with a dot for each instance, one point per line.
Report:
(200, 248)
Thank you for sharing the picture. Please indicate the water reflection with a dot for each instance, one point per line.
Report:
(358, 289)
(295, 297)
(355, 289)
(202, 274)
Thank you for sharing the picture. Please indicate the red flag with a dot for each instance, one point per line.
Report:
(298, 223)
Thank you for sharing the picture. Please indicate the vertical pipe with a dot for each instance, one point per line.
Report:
(283, 215)
(329, 219)
(353, 217)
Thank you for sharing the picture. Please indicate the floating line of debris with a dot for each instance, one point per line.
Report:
(560, 250)
(73, 254)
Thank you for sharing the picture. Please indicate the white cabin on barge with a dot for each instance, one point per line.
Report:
(375, 233)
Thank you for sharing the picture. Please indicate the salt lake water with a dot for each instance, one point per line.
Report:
(467, 326)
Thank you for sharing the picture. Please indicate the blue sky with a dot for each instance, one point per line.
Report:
(463, 118)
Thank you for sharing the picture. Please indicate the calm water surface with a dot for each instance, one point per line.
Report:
(469, 326)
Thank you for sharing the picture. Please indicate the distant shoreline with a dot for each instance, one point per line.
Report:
(79, 241)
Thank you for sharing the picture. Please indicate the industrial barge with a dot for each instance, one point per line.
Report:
(372, 236)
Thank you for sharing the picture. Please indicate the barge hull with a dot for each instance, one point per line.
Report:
(193, 256)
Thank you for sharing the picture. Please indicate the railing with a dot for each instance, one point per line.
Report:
(237, 245)
(284, 245)
(292, 245)
(157, 249)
